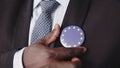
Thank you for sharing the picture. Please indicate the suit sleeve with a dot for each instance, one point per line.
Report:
(6, 59)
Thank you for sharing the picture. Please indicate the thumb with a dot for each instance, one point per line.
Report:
(50, 37)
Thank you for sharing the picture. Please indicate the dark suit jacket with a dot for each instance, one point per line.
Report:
(100, 20)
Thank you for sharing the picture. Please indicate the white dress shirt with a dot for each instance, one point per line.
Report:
(57, 17)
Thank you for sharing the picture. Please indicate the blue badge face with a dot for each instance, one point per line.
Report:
(72, 36)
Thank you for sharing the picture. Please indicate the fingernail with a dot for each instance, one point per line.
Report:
(56, 25)
(75, 59)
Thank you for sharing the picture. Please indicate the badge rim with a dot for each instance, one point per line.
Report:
(65, 45)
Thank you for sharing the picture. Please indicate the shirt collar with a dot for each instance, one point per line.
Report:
(36, 2)
(62, 2)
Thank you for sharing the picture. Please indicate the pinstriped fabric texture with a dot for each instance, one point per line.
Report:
(44, 23)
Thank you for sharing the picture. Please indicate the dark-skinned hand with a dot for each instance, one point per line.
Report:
(39, 55)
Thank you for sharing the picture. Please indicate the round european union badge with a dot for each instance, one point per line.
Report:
(72, 36)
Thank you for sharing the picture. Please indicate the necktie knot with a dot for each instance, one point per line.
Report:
(49, 6)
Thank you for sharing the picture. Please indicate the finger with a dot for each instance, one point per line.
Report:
(65, 53)
(50, 37)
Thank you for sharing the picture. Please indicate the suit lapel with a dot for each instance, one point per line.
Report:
(21, 32)
(76, 13)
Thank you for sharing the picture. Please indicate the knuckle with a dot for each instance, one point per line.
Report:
(40, 41)
(52, 54)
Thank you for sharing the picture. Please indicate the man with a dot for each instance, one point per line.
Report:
(35, 55)
(99, 19)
